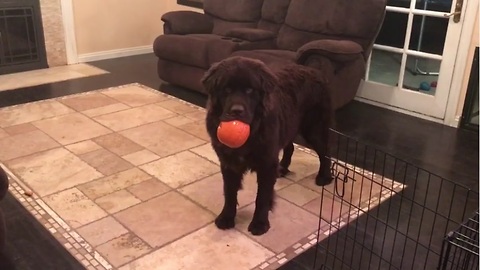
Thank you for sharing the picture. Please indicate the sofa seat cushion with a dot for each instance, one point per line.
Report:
(275, 59)
(198, 50)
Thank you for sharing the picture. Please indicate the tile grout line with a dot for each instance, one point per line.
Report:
(154, 249)
(138, 167)
(18, 188)
(117, 132)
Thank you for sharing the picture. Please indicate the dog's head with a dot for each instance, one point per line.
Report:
(240, 88)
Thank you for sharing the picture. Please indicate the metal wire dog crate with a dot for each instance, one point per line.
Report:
(460, 247)
(397, 221)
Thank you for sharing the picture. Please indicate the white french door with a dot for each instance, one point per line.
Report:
(413, 59)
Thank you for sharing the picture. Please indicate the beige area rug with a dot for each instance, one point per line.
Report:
(48, 75)
(125, 178)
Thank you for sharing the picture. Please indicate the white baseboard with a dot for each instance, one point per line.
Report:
(456, 122)
(89, 57)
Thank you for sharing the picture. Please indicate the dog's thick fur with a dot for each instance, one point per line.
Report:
(277, 106)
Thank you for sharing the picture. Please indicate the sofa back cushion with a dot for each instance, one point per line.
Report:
(228, 14)
(308, 20)
(273, 14)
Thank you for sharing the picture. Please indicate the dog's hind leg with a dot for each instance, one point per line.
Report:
(232, 182)
(286, 160)
(317, 135)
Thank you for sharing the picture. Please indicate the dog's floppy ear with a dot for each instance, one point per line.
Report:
(212, 77)
(211, 80)
(269, 83)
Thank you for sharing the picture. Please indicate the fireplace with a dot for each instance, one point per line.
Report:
(22, 44)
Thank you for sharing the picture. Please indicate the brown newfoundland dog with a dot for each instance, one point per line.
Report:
(277, 106)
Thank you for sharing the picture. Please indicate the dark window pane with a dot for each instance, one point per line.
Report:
(434, 5)
(430, 36)
(393, 30)
(399, 3)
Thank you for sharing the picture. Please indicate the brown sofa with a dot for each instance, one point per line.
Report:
(335, 36)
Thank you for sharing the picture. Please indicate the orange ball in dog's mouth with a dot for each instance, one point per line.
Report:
(233, 134)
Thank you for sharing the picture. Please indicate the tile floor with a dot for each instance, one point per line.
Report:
(125, 178)
(48, 75)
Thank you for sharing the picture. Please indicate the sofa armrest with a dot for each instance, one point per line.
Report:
(335, 50)
(250, 34)
(186, 22)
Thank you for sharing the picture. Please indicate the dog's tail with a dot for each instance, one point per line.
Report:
(323, 97)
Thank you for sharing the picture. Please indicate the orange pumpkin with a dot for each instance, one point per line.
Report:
(233, 133)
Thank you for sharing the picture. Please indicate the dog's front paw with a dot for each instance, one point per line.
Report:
(323, 180)
(258, 227)
(224, 222)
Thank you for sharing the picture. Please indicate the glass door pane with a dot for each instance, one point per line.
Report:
(428, 34)
(421, 74)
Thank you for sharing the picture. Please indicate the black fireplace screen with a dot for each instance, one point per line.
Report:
(22, 45)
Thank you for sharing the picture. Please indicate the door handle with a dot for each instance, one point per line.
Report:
(452, 14)
(457, 13)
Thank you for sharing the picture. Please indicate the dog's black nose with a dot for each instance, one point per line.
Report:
(237, 109)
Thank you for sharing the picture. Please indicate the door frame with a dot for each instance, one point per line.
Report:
(69, 31)
(469, 13)
(472, 92)
(462, 63)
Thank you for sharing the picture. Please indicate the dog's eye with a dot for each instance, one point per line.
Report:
(248, 90)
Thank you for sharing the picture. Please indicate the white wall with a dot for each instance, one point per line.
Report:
(110, 28)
